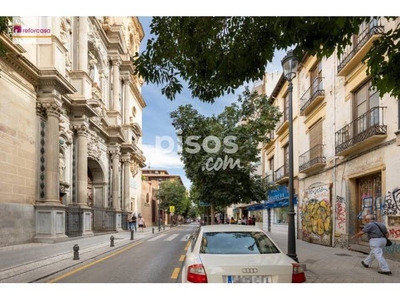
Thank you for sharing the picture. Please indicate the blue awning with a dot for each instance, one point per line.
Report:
(256, 207)
(280, 203)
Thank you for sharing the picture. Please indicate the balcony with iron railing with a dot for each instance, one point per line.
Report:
(282, 174)
(312, 97)
(271, 137)
(282, 125)
(353, 54)
(313, 159)
(362, 133)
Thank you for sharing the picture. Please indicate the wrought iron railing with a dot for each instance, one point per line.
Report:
(282, 172)
(369, 124)
(316, 89)
(372, 28)
(282, 120)
(312, 157)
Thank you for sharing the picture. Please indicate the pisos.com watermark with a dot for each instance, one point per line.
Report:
(193, 144)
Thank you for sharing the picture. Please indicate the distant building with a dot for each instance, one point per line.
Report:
(152, 178)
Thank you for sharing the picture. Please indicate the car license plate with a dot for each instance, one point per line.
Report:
(247, 279)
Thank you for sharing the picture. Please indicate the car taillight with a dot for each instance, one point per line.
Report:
(196, 274)
(298, 275)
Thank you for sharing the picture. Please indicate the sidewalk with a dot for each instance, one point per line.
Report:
(334, 265)
(35, 261)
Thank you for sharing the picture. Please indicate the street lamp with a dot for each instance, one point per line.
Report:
(289, 64)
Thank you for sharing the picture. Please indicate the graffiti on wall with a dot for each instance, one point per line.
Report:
(316, 215)
(342, 242)
(391, 207)
(340, 214)
(394, 233)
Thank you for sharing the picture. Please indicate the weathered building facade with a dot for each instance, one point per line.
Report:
(346, 147)
(70, 130)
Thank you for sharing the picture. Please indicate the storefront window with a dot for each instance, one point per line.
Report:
(282, 215)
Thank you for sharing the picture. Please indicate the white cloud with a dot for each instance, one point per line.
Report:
(157, 157)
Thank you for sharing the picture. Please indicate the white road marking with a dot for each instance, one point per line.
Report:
(157, 237)
(171, 237)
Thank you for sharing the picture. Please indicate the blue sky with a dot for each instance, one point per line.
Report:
(156, 123)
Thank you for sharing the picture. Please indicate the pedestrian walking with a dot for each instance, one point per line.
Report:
(141, 223)
(130, 223)
(134, 221)
(376, 236)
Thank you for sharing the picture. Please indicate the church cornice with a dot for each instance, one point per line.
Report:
(53, 78)
(17, 62)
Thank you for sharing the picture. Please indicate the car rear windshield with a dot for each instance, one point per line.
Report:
(237, 243)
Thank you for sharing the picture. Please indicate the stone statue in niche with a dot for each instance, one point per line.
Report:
(93, 70)
(62, 166)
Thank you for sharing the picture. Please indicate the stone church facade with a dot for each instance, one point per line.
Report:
(70, 130)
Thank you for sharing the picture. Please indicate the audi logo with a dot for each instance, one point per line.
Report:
(249, 270)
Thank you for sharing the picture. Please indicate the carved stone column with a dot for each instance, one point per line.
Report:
(126, 82)
(115, 154)
(82, 131)
(82, 184)
(83, 44)
(52, 162)
(50, 213)
(126, 160)
(116, 90)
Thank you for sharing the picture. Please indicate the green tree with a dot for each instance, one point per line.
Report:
(219, 152)
(216, 55)
(5, 29)
(173, 193)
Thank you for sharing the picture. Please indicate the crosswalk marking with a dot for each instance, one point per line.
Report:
(157, 237)
(171, 237)
(185, 238)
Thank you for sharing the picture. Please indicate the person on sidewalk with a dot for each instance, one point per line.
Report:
(142, 223)
(130, 223)
(134, 221)
(376, 242)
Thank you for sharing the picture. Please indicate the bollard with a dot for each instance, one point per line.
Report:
(112, 241)
(152, 230)
(76, 252)
(131, 235)
(164, 227)
(159, 228)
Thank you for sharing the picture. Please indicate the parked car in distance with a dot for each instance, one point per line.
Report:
(237, 254)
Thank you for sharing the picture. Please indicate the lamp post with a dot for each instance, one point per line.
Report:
(289, 64)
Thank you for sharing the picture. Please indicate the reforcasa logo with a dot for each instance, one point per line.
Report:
(17, 28)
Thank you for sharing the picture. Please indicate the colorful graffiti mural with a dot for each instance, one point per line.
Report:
(340, 214)
(316, 216)
(391, 207)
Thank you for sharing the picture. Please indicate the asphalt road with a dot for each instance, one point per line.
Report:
(155, 260)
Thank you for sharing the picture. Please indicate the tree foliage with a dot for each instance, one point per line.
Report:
(5, 28)
(216, 55)
(219, 152)
(172, 193)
